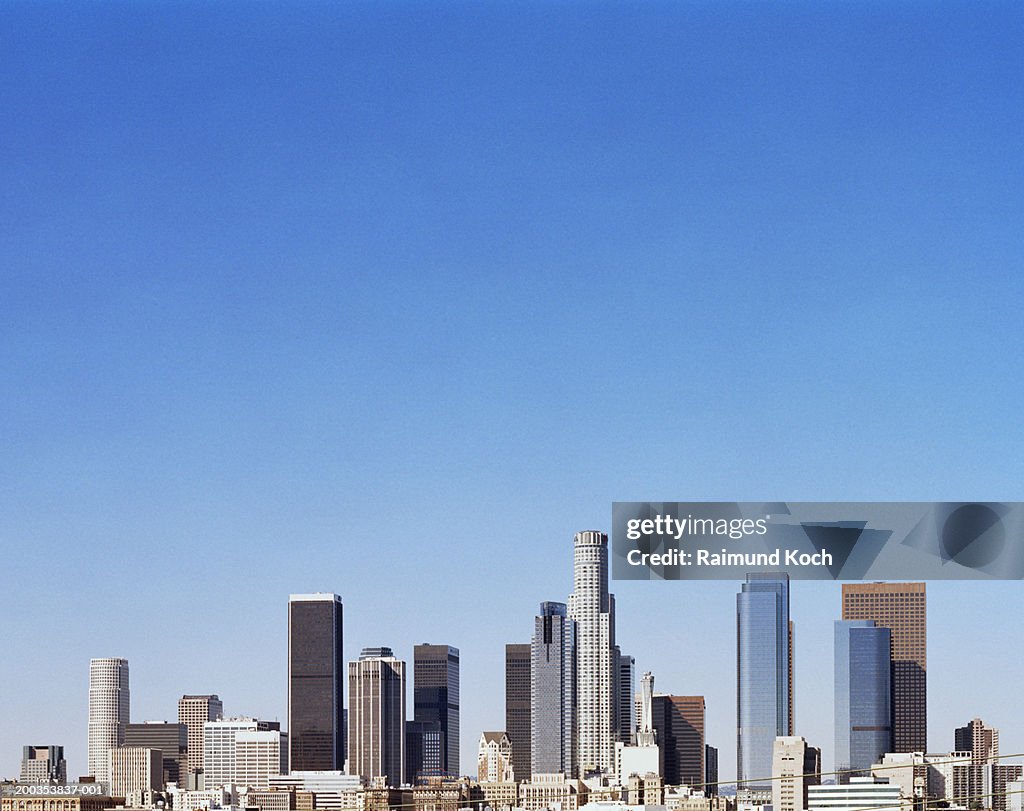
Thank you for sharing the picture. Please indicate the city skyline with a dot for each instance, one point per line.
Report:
(294, 299)
(941, 744)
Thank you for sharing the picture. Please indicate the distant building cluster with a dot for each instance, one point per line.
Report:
(579, 731)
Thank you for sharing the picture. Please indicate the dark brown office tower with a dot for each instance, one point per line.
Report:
(678, 723)
(900, 607)
(316, 679)
(170, 739)
(517, 707)
(435, 689)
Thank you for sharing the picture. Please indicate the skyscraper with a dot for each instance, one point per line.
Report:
(194, 712)
(43, 764)
(133, 770)
(170, 739)
(900, 607)
(235, 749)
(436, 698)
(710, 770)
(376, 712)
(980, 740)
(593, 609)
(624, 704)
(424, 751)
(764, 681)
(316, 727)
(679, 731)
(984, 777)
(552, 692)
(259, 756)
(517, 706)
(863, 696)
(109, 710)
(796, 767)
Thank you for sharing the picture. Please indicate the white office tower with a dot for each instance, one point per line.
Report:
(242, 752)
(593, 610)
(258, 757)
(109, 710)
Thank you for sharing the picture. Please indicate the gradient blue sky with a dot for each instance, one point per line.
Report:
(390, 300)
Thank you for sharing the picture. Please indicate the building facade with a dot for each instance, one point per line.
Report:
(980, 740)
(109, 711)
(194, 712)
(316, 724)
(518, 721)
(860, 794)
(376, 713)
(72, 803)
(863, 696)
(624, 704)
(259, 756)
(710, 770)
(544, 791)
(43, 764)
(796, 767)
(764, 675)
(220, 749)
(170, 739)
(900, 607)
(494, 758)
(679, 731)
(330, 790)
(552, 692)
(436, 699)
(134, 770)
(592, 608)
(424, 750)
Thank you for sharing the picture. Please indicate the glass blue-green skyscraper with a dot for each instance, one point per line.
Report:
(863, 703)
(764, 675)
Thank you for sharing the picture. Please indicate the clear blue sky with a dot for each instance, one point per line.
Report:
(391, 299)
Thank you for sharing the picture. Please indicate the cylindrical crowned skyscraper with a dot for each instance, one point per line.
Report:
(109, 710)
(593, 609)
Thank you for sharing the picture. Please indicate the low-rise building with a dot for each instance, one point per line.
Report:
(542, 791)
(860, 794)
